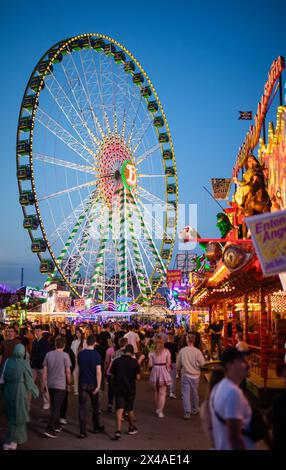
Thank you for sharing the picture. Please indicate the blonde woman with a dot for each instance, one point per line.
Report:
(160, 378)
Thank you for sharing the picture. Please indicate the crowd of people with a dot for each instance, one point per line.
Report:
(91, 359)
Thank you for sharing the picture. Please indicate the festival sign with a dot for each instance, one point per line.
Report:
(35, 293)
(252, 137)
(63, 293)
(159, 300)
(63, 304)
(221, 188)
(174, 278)
(79, 304)
(268, 233)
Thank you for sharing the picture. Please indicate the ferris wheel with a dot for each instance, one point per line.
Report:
(96, 171)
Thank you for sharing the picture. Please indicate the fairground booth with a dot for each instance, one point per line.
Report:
(244, 286)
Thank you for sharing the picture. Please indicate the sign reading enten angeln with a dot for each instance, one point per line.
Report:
(268, 232)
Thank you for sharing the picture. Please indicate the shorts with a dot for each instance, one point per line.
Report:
(124, 402)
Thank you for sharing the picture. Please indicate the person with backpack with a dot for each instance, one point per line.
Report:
(231, 412)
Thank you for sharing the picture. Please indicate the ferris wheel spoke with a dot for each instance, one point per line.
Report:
(99, 263)
(137, 133)
(151, 243)
(68, 190)
(106, 85)
(65, 136)
(86, 64)
(80, 94)
(159, 232)
(76, 257)
(73, 116)
(64, 163)
(147, 154)
(150, 176)
(154, 199)
(95, 88)
(67, 222)
(70, 239)
(140, 269)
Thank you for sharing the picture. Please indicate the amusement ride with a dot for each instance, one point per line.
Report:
(96, 171)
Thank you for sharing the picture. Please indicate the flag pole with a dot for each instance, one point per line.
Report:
(213, 198)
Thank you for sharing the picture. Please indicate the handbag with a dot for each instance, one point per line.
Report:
(258, 427)
(2, 379)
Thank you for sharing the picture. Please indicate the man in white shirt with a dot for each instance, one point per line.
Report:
(189, 362)
(133, 338)
(230, 410)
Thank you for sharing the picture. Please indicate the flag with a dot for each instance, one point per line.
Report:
(245, 115)
(221, 188)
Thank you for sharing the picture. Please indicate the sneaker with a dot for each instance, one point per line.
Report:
(196, 412)
(10, 446)
(58, 429)
(133, 430)
(46, 406)
(187, 416)
(161, 414)
(98, 429)
(82, 435)
(51, 434)
(172, 395)
(63, 421)
(117, 435)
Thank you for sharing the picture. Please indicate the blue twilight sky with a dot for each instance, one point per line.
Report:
(206, 58)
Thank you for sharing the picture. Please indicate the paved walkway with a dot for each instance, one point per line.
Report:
(170, 433)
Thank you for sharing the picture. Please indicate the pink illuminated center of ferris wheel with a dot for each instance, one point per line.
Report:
(113, 154)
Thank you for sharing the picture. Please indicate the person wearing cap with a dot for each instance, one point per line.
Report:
(125, 371)
(230, 410)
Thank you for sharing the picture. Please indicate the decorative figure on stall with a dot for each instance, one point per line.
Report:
(251, 194)
(223, 224)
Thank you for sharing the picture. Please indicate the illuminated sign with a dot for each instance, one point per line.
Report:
(268, 233)
(51, 287)
(159, 300)
(174, 278)
(35, 293)
(128, 174)
(122, 298)
(79, 304)
(63, 293)
(252, 137)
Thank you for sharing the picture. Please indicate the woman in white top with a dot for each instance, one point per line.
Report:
(77, 345)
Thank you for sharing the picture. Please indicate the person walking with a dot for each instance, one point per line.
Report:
(171, 346)
(40, 347)
(57, 377)
(160, 363)
(90, 375)
(78, 344)
(133, 339)
(107, 365)
(189, 362)
(7, 346)
(19, 382)
(216, 332)
(125, 371)
(230, 410)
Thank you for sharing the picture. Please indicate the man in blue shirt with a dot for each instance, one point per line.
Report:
(89, 362)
